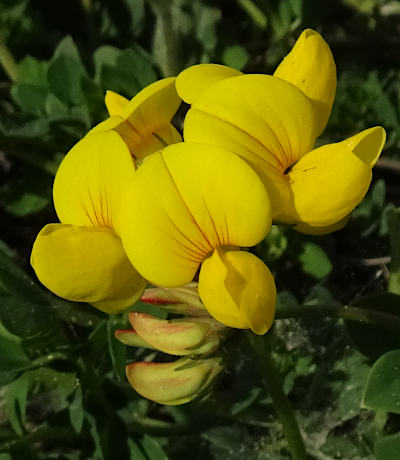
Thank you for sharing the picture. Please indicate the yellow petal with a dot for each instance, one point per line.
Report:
(238, 290)
(315, 230)
(310, 66)
(115, 102)
(186, 201)
(265, 120)
(196, 79)
(329, 182)
(88, 183)
(86, 264)
(144, 123)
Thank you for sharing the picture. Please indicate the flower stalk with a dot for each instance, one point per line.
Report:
(7, 61)
(346, 312)
(272, 381)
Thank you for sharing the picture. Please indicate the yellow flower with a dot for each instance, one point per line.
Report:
(82, 258)
(273, 121)
(194, 203)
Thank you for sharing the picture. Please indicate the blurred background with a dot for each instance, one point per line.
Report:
(63, 391)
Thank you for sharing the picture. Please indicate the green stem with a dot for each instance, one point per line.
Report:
(377, 318)
(7, 61)
(258, 17)
(272, 381)
(41, 434)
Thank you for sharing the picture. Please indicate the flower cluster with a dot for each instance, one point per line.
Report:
(138, 204)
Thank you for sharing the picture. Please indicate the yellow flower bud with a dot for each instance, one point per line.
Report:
(174, 383)
(194, 336)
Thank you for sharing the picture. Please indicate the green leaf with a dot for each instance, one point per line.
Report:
(67, 47)
(166, 39)
(388, 448)
(30, 98)
(235, 56)
(382, 390)
(5, 457)
(31, 89)
(76, 414)
(12, 356)
(207, 19)
(15, 398)
(378, 194)
(16, 393)
(393, 217)
(134, 451)
(361, 334)
(314, 261)
(32, 71)
(123, 71)
(64, 78)
(25, 308)
(117, 350)
(98, 451)
(28, 203)
(153, 448)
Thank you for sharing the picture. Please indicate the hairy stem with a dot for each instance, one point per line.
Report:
(272, 380)
(7, 61)
(363, 315)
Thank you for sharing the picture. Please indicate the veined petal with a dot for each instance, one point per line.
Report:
(196, 79)
(88, 183)
(329, 182)
(185, 202)
(238, 290)
(86, 264)
(115, 102)
(265, 120)
(310, 66)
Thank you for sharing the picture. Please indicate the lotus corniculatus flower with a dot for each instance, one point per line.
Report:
(273, 121)
(194, 206)
(82, 258)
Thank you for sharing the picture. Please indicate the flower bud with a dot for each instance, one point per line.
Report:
(184, 300)
(181, 337)
(131, 338)
(174, 383)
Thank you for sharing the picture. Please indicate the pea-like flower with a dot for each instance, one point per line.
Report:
(192, 206)
(273, 121)
(82, 258)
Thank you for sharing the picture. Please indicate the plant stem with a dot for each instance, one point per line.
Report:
(7, 61)
(256, 14)
(377, 318)
(272, 381)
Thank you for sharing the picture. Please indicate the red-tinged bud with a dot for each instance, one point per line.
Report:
(131, 338)
(174, 383)
(184, 300)
(181, 337)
